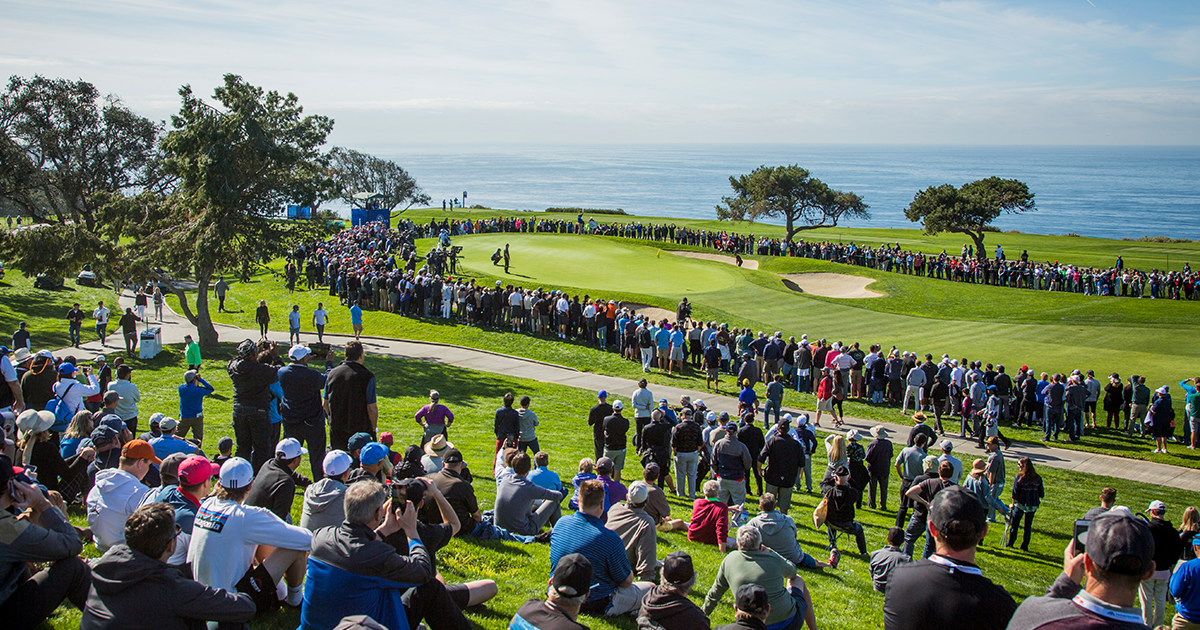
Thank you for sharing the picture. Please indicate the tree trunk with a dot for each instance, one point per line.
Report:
(978, 238)
(791, 227)
(205, 330)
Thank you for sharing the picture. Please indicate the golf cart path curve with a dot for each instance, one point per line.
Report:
(834, 285)
(748, 263)
(175, 327)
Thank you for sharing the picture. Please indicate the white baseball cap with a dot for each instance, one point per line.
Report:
(336, 463)
(289, 448)
(298, 352)
(236, 473)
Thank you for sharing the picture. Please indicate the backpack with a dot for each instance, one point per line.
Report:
(62, 413)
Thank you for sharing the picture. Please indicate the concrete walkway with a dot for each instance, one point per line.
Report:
(176, 326)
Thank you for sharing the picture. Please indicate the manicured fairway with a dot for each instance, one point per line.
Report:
(571, 261)
(843, 598)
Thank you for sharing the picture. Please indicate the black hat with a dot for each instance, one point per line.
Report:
(1120, 543)
(842, 471)
(677, 567)
(573, 575)
(452, 456)
(954, 509)
(410, 490)
(752, 599)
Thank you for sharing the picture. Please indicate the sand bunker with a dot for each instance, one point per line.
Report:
(746, 262)
(834, 285)
(653, 312)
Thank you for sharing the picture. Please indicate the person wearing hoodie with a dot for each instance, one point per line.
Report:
(118, 492)
(274, 486)
(323, 500)
(778, 532)
(44, 536)
(132, 574)
(666, 606)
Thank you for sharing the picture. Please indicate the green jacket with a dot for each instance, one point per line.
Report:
(764, 568)
(192, 354)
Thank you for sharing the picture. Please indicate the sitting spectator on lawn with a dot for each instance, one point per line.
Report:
(353, 571)
(168, 443)
(666, 606)
(461, 496)
(885, 559)
(134, 587)
(778, 532)
(542, 476)
(275, 484)
(710, 519)
(569, 585)
(372, 460)
(324, 500)
(636, 528)
(790, 604)
(657, 506)
(522, 506)
(614, 591)
(34, 531)
(195, 481)
(118, 492)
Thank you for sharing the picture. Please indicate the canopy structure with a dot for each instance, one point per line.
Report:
(364, 198)
(367, 209)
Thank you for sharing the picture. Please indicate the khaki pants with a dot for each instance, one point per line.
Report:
(195, 424)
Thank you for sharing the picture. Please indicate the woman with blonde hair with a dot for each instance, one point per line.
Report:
(80, 428)
(1188, 530)
(836, 450)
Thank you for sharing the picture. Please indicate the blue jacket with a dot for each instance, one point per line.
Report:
(191, 398)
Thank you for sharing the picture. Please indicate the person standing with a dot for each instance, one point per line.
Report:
(130, 396)
(434, 418)
(320, 317)
(1185, 589)
(879, 467)
(507, 422)
(252, 396)
(129, 333)
(1168, 548)
(75, 323)
(158, 300)
(1027, 494)
(356, 319)
(643, 402)
(783, 455)
(294, 325)
(687, 438)
(191, 405)
(350, 401)
(596, 416)
(221, 289)
(302, 410)
(616, 441)
(1162, 419)
(191, 353)
(262, 316)
(528, 423)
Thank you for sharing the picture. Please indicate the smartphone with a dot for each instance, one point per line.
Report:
(1081, 532)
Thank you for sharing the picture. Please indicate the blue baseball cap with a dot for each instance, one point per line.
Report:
(66, 369)
(372, 453)
(602, 394)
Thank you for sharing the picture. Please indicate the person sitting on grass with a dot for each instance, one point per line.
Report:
(246, 549)
(453, 484)
(275, 484)
(614, 490)
(778, 532)
(885, 559)
(569, 587)
(1120, 554)
(788, 604)
(710, 519)
(751, 608)
(542, 476)
(586, 472)
(636, 528)
(614, 591)
(667, 606)
(168, 443)
(135, 573)
(36, 532)
(522, 506)
(656, 504)
(324, 500)
(372, 463)
(118, 492)
(195, 475)
(353, 571)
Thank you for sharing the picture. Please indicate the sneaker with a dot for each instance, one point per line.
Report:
(543, 537)
(834, 557)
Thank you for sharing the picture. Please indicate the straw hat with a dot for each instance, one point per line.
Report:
(919, 417)
(437, 446)
(878, 431)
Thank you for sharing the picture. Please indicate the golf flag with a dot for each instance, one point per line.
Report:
(659, 254)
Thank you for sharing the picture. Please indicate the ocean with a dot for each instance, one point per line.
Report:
(1109, 192)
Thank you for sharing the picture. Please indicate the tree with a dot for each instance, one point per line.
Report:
(971, 209)
(791, 192)
(66, 152)
(357, 172)
(237, 164)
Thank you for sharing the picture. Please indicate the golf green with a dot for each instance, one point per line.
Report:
(593, 263)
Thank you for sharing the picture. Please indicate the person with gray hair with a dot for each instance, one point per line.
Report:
(752, 563)
(353, 571)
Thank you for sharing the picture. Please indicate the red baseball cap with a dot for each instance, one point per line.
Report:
(195, 469)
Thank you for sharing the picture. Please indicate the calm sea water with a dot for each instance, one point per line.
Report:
(1111, 192)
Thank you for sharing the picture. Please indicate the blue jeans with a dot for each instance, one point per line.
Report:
(1053, 423)
(487, 530)
(802, 381)
(73, 330)
(685, 472)
(806, 469)
(768, 405)
(917, 526)
(996, 503)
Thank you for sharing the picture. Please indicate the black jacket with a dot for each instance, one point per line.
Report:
(879, 457)
(616, 428)
(925, 594)
(596, 417)
(752, 437)
(1168, 547)
(783, 456)
(507, 423)
(274, 488)
(687, 437)
(132, 590)
(840, 500)
(252, 383)
(664, 610)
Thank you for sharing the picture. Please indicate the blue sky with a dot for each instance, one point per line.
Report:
(670, 71)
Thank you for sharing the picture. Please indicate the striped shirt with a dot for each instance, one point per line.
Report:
(585, 534)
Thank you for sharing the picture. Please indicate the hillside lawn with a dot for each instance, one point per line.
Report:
(844, 599)
(972, 321)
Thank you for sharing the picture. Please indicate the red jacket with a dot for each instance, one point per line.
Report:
(710, 522)
(825, 388)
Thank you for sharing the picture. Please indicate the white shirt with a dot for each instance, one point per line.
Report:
(294, 319)
(320, 317)
(225, 535)
(110, 502)
(8, 370)
(73, 395)
(100, 315)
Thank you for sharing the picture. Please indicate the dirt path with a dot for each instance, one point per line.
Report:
(834, 285)
(748, 263)
(653, 312)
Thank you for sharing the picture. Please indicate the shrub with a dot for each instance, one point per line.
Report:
(587, 210)
(1157, 239)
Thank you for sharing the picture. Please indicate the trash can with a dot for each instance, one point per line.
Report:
(150, 342)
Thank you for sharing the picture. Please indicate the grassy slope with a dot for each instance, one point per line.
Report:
(1075, 250)
(45, 311)
(844, 598)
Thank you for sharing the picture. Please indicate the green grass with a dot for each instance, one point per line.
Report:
(46, 311)
(844, 599)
